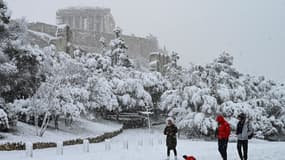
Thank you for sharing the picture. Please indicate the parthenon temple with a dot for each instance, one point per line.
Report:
(87, 18)
(82, 27)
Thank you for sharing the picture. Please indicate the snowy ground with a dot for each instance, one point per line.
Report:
(80, 128)
(152, 148)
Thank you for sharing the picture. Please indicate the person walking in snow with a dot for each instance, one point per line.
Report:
(244, 132)
(223, 133)
(170, 131)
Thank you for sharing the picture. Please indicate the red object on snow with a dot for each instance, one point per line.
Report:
(224, 129)
(190, 158)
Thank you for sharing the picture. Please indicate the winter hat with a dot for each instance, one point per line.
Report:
(242, 116)
(169, 119)
(220, 119)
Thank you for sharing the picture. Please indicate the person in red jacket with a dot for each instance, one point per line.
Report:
(189, 157)
(223, 132)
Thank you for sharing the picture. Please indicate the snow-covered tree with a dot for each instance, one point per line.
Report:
(87, 83)
(101, 94)
(5, 15)
(19, 66)
(118, 50)
(174, 57)
(4, 124)
(218, 88)
(103, 42)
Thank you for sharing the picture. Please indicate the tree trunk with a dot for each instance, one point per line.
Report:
(56, 117)
(36, 119)
(44, 124)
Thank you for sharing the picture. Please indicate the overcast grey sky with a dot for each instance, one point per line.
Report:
(253, 31)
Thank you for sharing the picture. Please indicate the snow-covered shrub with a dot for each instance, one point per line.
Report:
(3, 120)
(88, 82)
(192, 109)
(199, 93)
(118, 50)
(101, 94)
(19, 65)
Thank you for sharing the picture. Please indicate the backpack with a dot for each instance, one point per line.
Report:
(250, 136)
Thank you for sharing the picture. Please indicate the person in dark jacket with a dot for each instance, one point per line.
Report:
(170, 131)
(223, 133)
(244, 130)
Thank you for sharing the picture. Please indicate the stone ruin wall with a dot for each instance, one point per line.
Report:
(87, 18)
(41, 41)
(43, 35)
(139, 48)
(158, 61)
(43, 27)
(83, 27)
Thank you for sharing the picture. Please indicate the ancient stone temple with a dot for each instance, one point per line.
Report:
(83, 27)
(87, 18)
(158, 61)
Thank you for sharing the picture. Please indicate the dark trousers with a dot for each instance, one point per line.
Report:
(169, 149)
(223, 145)
(242, 145)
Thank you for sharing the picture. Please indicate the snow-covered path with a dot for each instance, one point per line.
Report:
(152, 148)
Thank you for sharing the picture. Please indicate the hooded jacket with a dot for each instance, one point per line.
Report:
(246, 131)
(190, 158)
(170, 131)
(224, 129)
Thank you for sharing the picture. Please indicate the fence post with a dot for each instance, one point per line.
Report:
(29, 149)
(107, 145)
(85, 145)
(140, 142)
(151, 141)
(126, 144)
(59, 148)
(160, 141)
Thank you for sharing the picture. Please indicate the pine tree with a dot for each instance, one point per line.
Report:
(4, 13)
(4, 21)
(18, 67)
(118, 50)
(103, 42)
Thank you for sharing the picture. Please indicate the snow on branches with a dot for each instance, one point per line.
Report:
(199, 93)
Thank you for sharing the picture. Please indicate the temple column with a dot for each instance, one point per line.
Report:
(74, 23)
(77, 22)
(91, 23)
(80, 22)
(94, 23)
(102, 24)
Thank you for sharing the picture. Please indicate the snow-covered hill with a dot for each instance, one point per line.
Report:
(80, 129)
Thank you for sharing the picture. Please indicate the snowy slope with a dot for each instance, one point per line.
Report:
(152, 151)
(81, 128)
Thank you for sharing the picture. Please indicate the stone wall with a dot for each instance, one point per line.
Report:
(158, 61)
(139, 48)
(43, 27)
(44, 34)
(84, 26)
